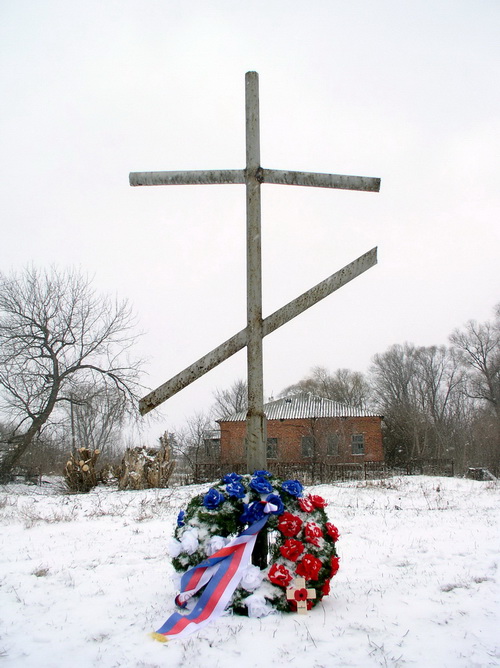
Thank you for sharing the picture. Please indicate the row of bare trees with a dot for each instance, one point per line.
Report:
(437, 401)
(66, 372)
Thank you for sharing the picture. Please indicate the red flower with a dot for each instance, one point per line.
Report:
(279, 575)
(300, 594)
(335, 565)
(292, 549)
(313, 533)
(309, 567)
(289, 524)
(318, 501)
(332, 531)
(306, 504)
(326, 588)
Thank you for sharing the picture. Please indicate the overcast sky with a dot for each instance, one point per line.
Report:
(405, 91)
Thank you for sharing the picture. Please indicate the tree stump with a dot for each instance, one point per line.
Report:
(144, 468)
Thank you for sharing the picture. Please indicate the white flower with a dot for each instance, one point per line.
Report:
(215, 543)
(252, 578)
(257, 606)
(189, 540)
(174, 548)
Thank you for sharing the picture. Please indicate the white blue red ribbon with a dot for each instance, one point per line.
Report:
(221, 573)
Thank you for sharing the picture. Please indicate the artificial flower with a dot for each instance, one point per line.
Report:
(261, 485)
(279, 575)
(318, 501)
(257, 606)
(231, 477)
(306, 504)
(235, 489)
(215, 544)
(213, 498)
(332, 531)
(312, 533)
(309, 567)
(292, 549)
(174, 548)
(252, 578)
(293, 487)
(289, 524)
(189, 540)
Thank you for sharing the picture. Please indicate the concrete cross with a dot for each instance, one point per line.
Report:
(253, 176)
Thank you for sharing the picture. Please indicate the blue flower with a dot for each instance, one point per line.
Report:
(292, 487)
(180, 518)
(212, 498)
(235, 489)
(263, 474)
(253, 512)
(261, 485)
(276, 500)
(231, 477)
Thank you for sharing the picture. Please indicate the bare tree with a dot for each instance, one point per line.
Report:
(419, 390)
(55, 334)
(97, 415)
(232, 400)
(345, 386)
(195, 444)
(478, 349)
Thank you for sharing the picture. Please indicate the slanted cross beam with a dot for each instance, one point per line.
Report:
(251, 337)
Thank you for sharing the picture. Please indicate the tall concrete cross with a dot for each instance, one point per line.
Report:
(257, 327)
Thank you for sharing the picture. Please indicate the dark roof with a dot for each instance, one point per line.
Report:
(304, 405)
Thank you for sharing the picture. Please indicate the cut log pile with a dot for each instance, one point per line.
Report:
(80, 471)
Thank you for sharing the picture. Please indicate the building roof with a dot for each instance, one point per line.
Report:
(304, 405)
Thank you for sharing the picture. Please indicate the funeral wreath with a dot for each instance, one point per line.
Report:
(301, 540)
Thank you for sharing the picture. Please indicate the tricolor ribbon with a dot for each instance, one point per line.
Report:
(221, 573)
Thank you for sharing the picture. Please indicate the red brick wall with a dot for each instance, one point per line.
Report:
(289, 434)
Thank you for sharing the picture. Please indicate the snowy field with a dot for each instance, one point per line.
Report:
(84, 579)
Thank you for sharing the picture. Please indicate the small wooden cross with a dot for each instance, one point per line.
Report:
(300, 595)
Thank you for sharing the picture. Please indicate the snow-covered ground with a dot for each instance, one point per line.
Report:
(84, 579)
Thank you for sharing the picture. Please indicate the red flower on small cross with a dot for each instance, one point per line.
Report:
(299, 596)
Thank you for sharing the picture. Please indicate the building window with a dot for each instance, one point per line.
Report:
(332, 447)
(272, 448)
(307, 446)
(212, 447)
(358, 444)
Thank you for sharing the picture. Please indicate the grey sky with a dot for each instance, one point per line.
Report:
(405, 91)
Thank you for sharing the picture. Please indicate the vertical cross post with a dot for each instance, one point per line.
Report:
(256, 420)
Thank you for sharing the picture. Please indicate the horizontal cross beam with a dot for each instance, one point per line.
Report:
(270, 324)
(276, 176)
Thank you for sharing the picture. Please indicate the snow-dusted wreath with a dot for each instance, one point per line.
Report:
(300, 537)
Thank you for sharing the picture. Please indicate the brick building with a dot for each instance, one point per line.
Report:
(304, 428)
